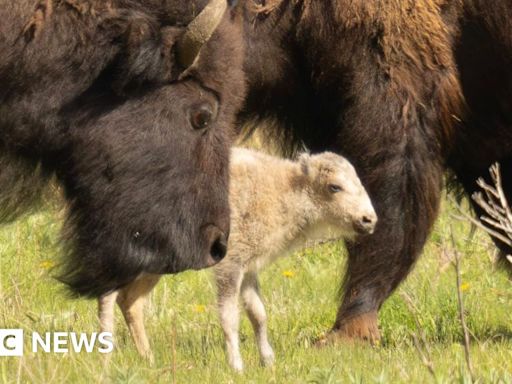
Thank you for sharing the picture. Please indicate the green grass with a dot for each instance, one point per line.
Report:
(188, 342)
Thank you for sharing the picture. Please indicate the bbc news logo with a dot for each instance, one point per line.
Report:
(12, 342)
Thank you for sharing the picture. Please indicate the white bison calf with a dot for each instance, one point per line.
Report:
(276, 206)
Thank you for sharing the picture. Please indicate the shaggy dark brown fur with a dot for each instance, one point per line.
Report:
(91, 91)
(405, 90)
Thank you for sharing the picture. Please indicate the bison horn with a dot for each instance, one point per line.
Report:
(199, 31)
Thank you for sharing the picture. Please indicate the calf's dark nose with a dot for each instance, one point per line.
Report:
(366, 225)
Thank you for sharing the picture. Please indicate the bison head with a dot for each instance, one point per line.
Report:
(146, 172)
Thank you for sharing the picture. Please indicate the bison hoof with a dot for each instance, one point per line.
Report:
(359, 328)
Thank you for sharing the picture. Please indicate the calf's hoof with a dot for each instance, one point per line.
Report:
(360, 328)
(237, 365)
(148, 356)
(267, 359)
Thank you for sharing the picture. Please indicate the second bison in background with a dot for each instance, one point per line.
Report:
(276, 206)
(405, 90)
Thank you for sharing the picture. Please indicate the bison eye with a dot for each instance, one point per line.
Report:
(201, 116)
(334, 188)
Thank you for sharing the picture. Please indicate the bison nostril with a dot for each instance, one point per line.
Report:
(216, 244)
(219, 248)
(367, 220)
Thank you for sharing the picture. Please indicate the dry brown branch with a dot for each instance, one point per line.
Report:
(493, 202)
(477, 223)
(462, 316)
(422, 348)
(465, 216)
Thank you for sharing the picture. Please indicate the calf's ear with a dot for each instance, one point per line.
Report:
(304, 159)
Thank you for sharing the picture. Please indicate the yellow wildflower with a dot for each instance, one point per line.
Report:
(47, 264)
(288, 274)
(199, 308)
(464, 287)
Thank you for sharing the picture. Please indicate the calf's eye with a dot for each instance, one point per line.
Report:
(201, 116)
(334, 188)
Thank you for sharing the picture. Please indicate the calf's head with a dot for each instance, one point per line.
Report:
(336, 190)
(148, 178)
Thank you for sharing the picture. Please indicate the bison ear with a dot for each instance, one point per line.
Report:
(304, 160)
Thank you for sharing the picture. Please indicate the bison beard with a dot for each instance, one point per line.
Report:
(405, 90)
(95, 92)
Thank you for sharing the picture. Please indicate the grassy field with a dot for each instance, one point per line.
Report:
(301, 297)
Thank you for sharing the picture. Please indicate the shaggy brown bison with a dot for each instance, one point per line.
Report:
(131, 105)
(406, 90)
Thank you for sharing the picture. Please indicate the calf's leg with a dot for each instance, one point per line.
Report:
(106, 307)
(131, 300)
(256, 311)
(228, 291)
(106, 315)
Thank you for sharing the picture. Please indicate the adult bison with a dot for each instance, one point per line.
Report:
(406, 90)
(133, 112)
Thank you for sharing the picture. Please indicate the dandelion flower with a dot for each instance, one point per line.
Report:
(199, 308)
(464, 287)
(47, 264)
(288, 274)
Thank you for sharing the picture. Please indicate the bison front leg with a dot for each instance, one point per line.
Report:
(405, 190)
